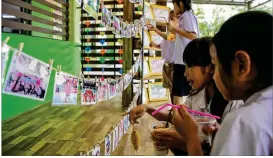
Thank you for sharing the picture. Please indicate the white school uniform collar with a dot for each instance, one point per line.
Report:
(263, 94)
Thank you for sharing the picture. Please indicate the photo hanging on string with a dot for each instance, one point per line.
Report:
(116, 24)
(112, 89)
(103, 90)
(4, 58)
(27, 77)
(65, 89)
(123, 29)
(107, 145)
(89, 96)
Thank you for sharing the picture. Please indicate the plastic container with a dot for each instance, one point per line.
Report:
(204, 121)
(162, 150)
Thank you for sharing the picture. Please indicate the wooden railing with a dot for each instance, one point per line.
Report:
(55, 25)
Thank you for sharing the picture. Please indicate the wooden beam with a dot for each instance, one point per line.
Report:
(127, 94)
(31, 7)
(18, 25)
(62, 2)
(8, 9)
(53, 6)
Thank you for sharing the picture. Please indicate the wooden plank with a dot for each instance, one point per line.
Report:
(80, 129)
(43, 150)
(76, 115)
(37, 147)
(53, 149)
(101, 124)
(16, 134)
(25, 5)
(10, 11)
(69, 126)
(17, 146)
(53, 6)
(18, 121)
(65, 148)
(67, 136)
(62, 2)
(74, 149)
(31, 145)
(18, 25)
(86, 146)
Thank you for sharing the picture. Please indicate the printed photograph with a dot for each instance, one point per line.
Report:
(96, 151)
(4, 58)
(103, 89)
(89, 96)
(120, 127)
(157, 92)
(108, 145)
(112, 89)
(115, 138)
(65, 89)
(116, 24)
(27, 77)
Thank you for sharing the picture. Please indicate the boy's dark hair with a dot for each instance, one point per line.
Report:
(197, 52)
(250, 32)
(187, 4)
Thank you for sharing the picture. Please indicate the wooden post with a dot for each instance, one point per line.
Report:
(127, 94)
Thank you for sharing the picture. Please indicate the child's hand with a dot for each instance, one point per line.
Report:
(185, 125)
(210, 130)
(152, 44)
(136, 113)
(169, 138)
(170, 27)
(151, 27)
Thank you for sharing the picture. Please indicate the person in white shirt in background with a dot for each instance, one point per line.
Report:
(166, 46)
(242, 54)
(186, 31)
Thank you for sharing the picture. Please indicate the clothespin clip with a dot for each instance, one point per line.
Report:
(20, 48)
(59, 68)
(6, 41)
(50, 64)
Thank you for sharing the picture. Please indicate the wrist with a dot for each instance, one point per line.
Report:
(145, 107)
(194, 142)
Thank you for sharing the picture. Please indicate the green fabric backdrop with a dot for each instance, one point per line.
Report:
(63, 53)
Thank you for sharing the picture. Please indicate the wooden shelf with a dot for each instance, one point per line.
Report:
(153, 77)
(150, 48)
(157, 103)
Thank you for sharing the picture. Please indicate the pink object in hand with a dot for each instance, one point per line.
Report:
(189, 110)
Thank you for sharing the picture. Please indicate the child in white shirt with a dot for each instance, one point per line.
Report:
(243, 70)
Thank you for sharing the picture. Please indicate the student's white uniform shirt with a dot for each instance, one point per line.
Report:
(167, 48)
(198, 102)
(188, 22)
(247, 130)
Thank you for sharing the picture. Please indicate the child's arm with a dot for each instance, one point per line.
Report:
(162, 34)
(187, 27)
(153, 45)
(182, 32)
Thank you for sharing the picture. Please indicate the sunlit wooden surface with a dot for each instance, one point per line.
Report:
(70, 130)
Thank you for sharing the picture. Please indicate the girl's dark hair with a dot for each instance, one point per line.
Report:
(187, 4)
(250, 32)
(197, 52)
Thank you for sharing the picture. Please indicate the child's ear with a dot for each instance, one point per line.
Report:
(243, 61)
